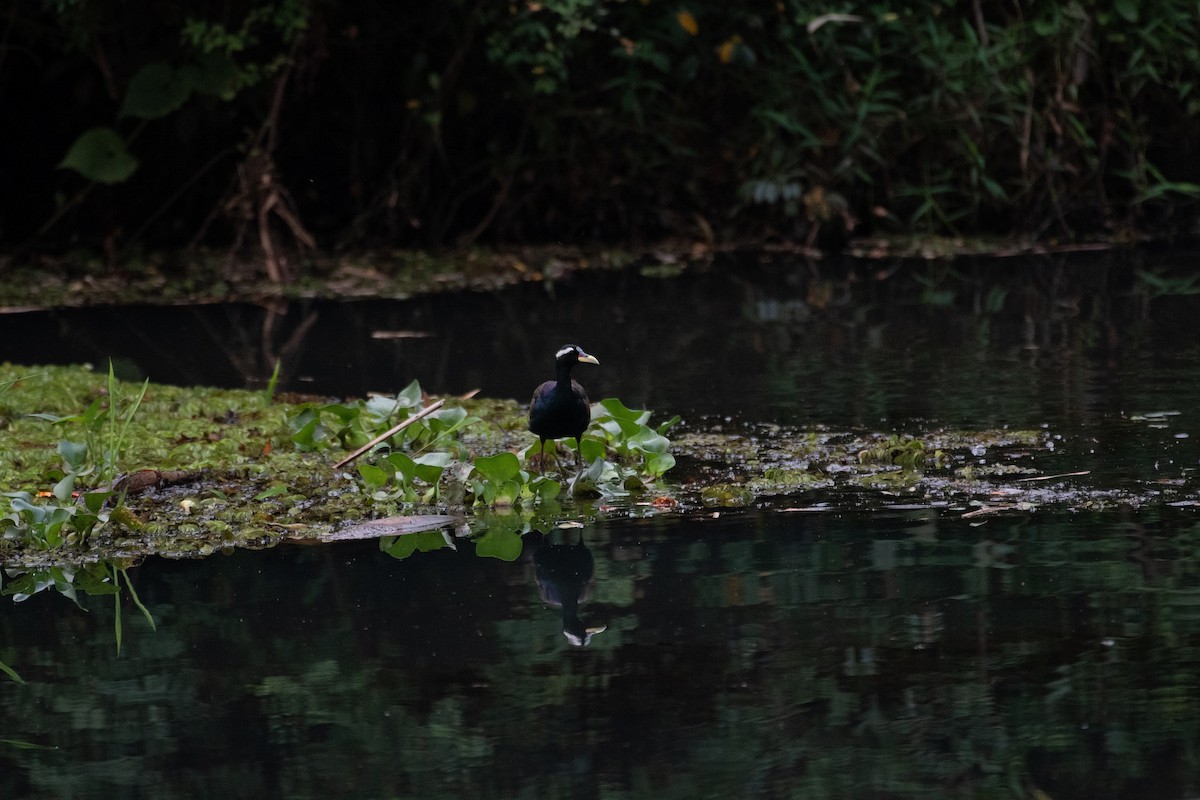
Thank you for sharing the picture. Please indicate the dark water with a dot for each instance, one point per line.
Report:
(763, 653)
(982, 343)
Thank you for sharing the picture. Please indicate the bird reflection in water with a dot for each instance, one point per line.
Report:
(565, 575)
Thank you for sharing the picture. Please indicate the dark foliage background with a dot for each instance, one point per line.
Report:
(285, 123)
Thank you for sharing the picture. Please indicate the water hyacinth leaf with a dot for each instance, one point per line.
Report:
(398, 546)
(448, 417)
(96, 582)
(274, 491)
(649, 441)
(305, 438)
(659, 463)
(343, 413)
(21, 502)
(619, 410)
(373, 476)
(620, 429)
(498, 468)
(405, 546)
(404, 465)
(156, 90)
(378, 408)
(63, 489)
(591, 449)
(504, 545)
(100, 155)
(500, 493)
(94, 501)
(410, 396)
(20, 587)
(595, 470)
(74, 454)
(545, 488)
(671, 423)
(429, 466)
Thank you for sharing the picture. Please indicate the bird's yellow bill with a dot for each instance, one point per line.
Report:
(584, 358)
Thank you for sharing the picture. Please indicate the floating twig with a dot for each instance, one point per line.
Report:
(424, 412)
(1052, 477)
(979, 512)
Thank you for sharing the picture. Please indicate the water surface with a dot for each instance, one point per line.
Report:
(766, 652)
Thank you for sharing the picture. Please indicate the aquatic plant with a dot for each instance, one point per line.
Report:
(622, 451)
(499, 480)
(902, 451)
(351, 425)
(628, 434)
(104, 426)
(51, 524)
(414, 480)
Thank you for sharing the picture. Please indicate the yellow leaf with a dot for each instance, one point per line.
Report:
(688, 22)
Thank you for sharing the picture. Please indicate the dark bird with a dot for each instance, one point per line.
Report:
(565, 575)
(560, 407)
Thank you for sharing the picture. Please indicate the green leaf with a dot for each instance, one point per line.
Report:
(404, 465)
(305, 437)
(137, 601)
(649, 441)
(617, 410)
(545, 488)
(11, 673)
(274, 491)
(500, 543)
(117, 617)
(347, 414)
(410, 397)
(155, 91)
(101, 156)
(372, 475)
(591, 448)
(62, 490)
(94, 501)
(404, 546)
(430, 465)
(215, 74)
(658, 463)
(498, 468)
(1127, 9)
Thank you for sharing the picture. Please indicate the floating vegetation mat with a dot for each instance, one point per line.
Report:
(100, 470)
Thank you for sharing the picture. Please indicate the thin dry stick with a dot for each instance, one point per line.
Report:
(1052, 477)
(424, 412)
(987, 510)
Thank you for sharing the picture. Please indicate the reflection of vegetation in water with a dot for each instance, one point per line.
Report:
(932, 657)
(97, 578)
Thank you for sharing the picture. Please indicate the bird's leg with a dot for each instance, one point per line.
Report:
(540, 459)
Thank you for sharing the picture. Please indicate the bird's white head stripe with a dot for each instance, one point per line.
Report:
(566, 350)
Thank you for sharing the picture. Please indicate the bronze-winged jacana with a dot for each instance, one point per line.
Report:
(560, 408)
